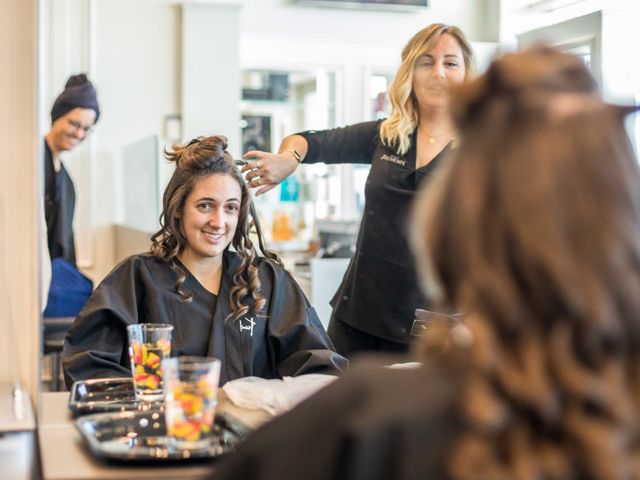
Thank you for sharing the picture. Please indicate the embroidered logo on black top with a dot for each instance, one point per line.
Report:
(393, 159)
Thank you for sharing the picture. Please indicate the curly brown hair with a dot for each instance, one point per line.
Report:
(200, 158)
(533, 231)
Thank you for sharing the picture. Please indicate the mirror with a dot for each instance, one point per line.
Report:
(334, 64)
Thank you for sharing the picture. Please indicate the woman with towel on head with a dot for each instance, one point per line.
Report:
(73, 114)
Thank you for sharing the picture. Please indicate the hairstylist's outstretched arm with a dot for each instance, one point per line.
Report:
(266, 170)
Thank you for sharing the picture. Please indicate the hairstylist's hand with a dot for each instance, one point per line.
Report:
(266, 170)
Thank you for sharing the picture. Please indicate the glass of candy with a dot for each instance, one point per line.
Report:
(149, 344)
(191, 392)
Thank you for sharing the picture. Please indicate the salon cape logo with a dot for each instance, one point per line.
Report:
(246, 325)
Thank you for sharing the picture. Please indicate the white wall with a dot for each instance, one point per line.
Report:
(284, 20)
(518, 16)
(211, 72)
(137, 53)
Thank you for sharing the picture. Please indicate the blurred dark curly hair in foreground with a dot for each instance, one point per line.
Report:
(533, 230)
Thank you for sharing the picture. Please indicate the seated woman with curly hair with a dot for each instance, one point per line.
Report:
(533, 231)
(244, 309)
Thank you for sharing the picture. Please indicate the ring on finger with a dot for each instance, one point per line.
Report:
(258, 164)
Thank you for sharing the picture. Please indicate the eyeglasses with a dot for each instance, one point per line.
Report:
(77, 126)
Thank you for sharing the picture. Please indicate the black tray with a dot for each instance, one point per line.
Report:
(140, 436)
(106, 395)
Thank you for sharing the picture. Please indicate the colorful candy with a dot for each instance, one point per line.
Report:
(146, 361)
(191, 410)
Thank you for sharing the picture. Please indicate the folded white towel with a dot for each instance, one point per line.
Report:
(275, 396)
(405, 366)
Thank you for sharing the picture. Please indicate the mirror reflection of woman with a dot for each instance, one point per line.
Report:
(532, 230)
(374, 306)
(237, 306)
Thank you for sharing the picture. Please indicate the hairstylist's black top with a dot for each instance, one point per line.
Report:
(379, 292)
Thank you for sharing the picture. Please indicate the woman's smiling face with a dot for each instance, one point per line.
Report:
(71, 129)
(210, 216)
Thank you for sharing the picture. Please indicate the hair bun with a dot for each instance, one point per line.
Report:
(224, 141)
(200, 153)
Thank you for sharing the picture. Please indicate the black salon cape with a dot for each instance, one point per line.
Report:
(371, 424)
(379, 292)
(59, 206)
(288, 340)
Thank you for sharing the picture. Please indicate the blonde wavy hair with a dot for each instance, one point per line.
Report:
(396, 130)
(533, 230)
(201, 158)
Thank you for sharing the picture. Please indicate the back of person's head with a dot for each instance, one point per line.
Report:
(78, 92)
(199, 159)
(533, 231)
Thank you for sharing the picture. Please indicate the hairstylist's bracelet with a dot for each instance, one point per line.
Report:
(296, 155)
